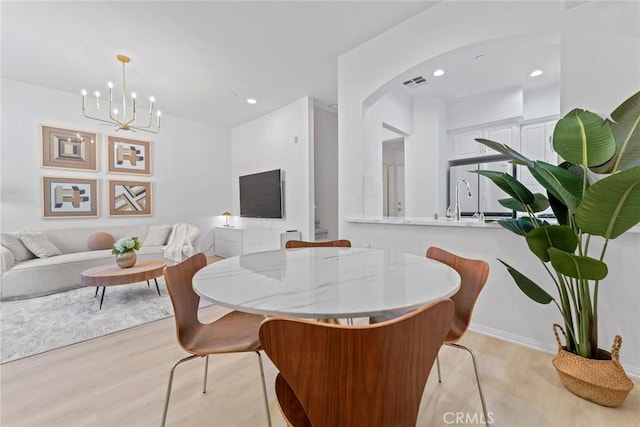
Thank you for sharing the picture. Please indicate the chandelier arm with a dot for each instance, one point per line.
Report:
(123, 123)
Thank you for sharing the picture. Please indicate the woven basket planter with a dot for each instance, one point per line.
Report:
(602, 380)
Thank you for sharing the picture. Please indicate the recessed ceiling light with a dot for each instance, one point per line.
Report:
(251, 101)
(536, 73)
(438, 73)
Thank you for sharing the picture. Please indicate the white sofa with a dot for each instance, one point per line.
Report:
(43, 276)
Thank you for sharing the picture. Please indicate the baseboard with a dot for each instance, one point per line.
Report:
(632, 371)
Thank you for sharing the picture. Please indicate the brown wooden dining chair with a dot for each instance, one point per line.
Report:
(235, 332)
(473, 276)
(367, 375)
(342, 243)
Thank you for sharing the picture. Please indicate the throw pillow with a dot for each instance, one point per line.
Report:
(14, 244)
(157, 235)
(100, 240)
(39, 244)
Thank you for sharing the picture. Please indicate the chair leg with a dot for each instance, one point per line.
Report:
(264, 389)
(206, 369)
(438, 366)
(475, 368)
(166, 401)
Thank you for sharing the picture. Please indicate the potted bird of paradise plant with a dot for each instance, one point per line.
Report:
(595, 195)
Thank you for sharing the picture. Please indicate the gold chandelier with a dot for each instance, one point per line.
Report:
(120, 119)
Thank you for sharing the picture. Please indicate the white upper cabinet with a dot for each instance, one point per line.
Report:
(536, 143)
(462, 144)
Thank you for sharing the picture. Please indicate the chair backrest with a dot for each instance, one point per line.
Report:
(178, 279)
(342, 243)
(473, 274)
(371, 375)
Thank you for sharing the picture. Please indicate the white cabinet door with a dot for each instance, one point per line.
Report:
(536, 143)
(504, 134)
(228, 241)
(463, 145)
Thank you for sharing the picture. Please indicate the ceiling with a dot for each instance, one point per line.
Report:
(201, 60)
(485, 67)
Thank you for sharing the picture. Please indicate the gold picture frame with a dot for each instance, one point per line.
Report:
(130, 198)
(69, 197)
(129, 156)
(68, 149)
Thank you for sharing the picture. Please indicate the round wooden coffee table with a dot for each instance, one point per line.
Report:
(112, 275)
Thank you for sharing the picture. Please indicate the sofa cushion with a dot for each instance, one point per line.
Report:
(157, 235)
(100, 240)
(12, 242)
(39, 244)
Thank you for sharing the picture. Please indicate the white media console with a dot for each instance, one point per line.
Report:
(234, 241)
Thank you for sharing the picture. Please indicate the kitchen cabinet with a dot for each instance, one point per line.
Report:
(462, 144)
(536, 143)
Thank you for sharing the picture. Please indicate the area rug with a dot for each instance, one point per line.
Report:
(37, 325)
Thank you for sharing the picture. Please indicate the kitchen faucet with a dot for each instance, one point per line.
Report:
(456, 209)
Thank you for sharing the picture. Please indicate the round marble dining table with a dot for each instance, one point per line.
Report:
(325, 283)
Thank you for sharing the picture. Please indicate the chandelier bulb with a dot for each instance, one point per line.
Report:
(159, 113)
(83, 92)
(152, 99)
(110, 85)
(97, 94)
(133, 95)
(115, 111)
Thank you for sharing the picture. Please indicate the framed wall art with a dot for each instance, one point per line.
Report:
(128, 156)
(69, 197)
(68, 149)
(129, 198)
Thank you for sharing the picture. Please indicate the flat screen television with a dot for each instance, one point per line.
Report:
(261, 195)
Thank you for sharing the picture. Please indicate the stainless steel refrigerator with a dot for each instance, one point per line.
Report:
(484, 193)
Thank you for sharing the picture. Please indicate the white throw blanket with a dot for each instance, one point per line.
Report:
(181, 242)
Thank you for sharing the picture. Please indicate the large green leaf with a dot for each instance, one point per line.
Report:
(520, 226)
(563, 184)
(625, 125)
(506, 150)
(611, 206)
(509, 185)
(579, 267)
(552, 236)
(539, 204)
(528, 286)
(559, 209)
(584, 138)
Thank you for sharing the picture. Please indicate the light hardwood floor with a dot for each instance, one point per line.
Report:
(120, 380)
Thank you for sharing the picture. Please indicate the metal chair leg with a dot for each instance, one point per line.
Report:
(438, 366)
(206, 369)
(475, 368)
(264, 389)
(166, 401)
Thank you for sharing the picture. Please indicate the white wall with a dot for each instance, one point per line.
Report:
(282, 139)
(425, 180)
(190, 164)
(394, 109)
(361, 71)
(325, 147)
(600, 62)
(541, 102)
(489, 107)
